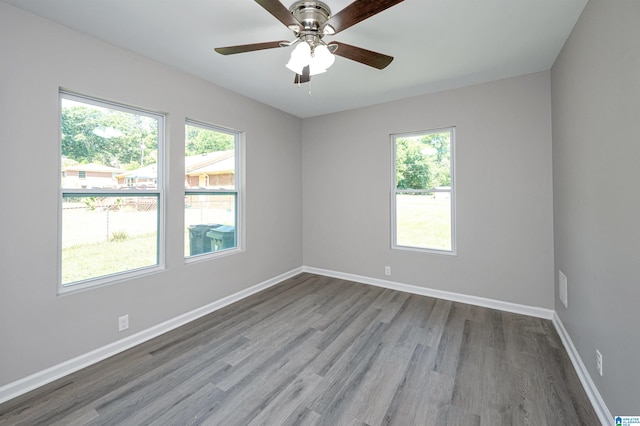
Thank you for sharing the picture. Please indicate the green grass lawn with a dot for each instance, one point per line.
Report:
(85, 261)
(423, 221)
(98, 243)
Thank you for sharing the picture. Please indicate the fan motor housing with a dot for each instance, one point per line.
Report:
(311, 14)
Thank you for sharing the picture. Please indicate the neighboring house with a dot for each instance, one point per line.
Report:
(209, 170)
(90, 175)
(144, 177)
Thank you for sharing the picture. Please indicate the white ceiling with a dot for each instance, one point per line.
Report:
(437, 44)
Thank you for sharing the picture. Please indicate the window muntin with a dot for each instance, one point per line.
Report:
(211, 190)
(423, 202)
(109, 228)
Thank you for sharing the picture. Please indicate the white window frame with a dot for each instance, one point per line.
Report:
(159, 191)
(239, 146)
(394, 191)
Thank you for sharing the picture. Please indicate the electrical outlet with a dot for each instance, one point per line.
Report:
(562, 289)
(599, 361)
(123, 322)
(387, 270)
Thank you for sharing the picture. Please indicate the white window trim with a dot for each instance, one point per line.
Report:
(239, 191)
(394, 192)
(160, 191)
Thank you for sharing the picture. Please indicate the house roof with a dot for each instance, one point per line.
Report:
(222, 166)
(146, 172)
(92, 167)
(195, 164)
(208, 163)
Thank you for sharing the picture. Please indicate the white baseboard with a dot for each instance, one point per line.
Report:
(604, 415)
(440, 294)
(41, 378)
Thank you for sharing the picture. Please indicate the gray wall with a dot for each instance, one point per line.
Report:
(39, 329)
(504, 191)
(596, 150)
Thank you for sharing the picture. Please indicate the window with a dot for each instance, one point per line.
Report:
(212, 182)
(423, 202)
(111, 191)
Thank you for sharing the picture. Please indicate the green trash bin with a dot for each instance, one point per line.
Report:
(223, 237)
(199, 243)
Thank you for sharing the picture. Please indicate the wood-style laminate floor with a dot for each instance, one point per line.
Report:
(322, 351)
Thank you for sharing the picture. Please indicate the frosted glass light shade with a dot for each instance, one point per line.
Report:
(321, 59)
(318, 61)
(300, 58)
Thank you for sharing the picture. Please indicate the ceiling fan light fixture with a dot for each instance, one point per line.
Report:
(300, 58)
(310, 21)
(319, 59)
(302, 51)
(295, 66)
(322, 58)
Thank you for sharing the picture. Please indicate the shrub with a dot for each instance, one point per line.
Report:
(119, 236)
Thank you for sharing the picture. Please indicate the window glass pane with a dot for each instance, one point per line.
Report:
(423, 161)
(424, 202)
(210, 222)
(210, 160)
(107, 234)
(211, 197)
(106, 148)
(424, 220)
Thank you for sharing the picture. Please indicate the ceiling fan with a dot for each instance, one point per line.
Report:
(310, 22)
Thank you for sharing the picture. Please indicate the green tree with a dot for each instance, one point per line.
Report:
(437, 147)
(423, 162)
(105, 136)
(200, 141)
(411, 168)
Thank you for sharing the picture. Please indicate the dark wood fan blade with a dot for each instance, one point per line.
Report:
(304, 77)
(364, 56)
(231, 50)
(358, 11)
(279, 11)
